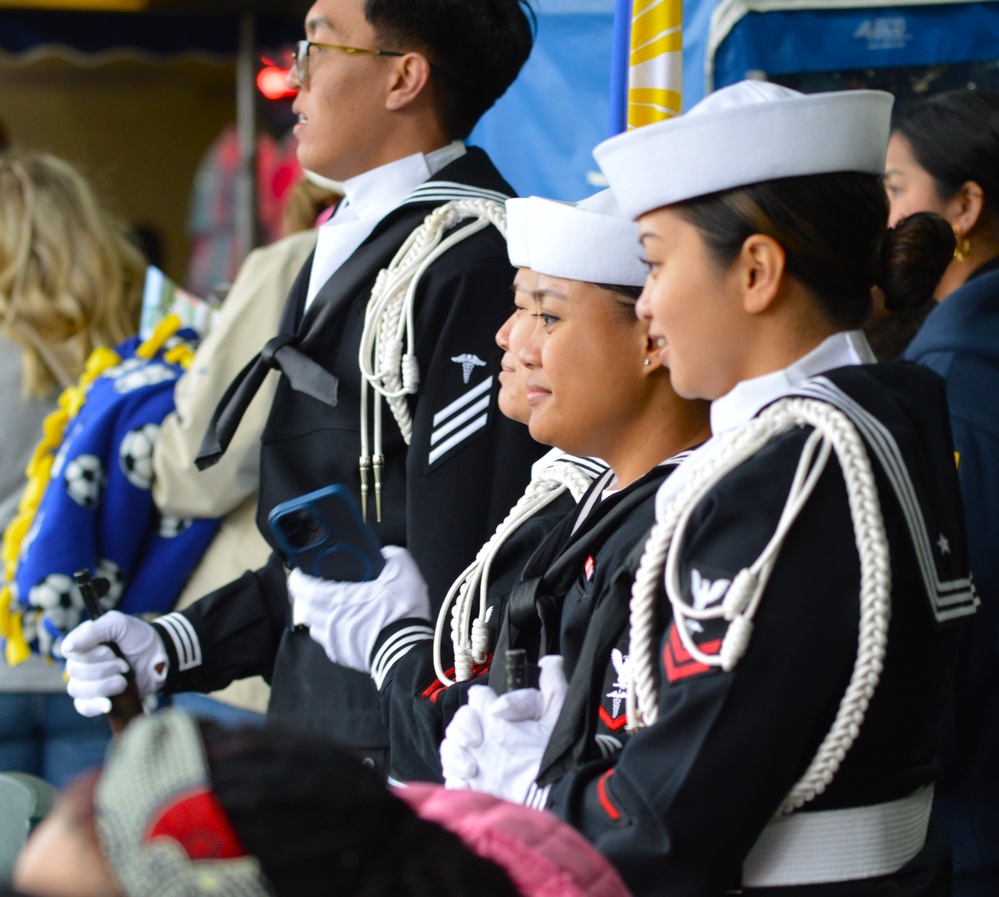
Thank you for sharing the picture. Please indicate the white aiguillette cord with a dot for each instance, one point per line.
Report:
(387, 355)
(470, 637)
(833, 432)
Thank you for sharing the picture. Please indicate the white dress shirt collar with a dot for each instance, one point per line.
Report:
(747, 398)
(375, 193)
(368, 198)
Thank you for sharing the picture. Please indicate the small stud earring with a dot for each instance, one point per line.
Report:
(648, 362)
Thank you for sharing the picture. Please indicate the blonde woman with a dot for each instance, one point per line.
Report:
(70, 281)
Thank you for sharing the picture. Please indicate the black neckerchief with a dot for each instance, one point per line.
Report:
(573, 740)
(289, 351)
(303, 330)
(533, 613)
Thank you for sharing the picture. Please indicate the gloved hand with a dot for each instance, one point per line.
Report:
(96, 672)
(346, 618)
(495, 743)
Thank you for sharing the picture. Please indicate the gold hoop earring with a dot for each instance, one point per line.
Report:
(962, 248)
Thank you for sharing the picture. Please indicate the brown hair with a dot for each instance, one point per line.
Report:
(306, 202)
(833, 229)
(954, 137)
(625, 297)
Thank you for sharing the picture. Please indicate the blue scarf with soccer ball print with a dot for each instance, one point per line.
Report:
(97, 512)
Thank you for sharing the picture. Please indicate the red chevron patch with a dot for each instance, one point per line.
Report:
(611, 722)
(433, 691)
(677, 660)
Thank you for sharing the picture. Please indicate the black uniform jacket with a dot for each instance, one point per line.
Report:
(680, 806)
(563, 567)
(443, 496)
(562, 605)
(416, 705)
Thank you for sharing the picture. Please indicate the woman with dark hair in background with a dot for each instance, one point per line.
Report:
(943, 157)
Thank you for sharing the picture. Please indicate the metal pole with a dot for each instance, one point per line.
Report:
(246, 126)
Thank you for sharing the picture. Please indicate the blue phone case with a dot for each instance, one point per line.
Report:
(323, 534)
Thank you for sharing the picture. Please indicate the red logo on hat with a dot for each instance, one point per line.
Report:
(197, 822)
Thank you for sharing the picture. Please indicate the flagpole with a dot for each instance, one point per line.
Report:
(620, 55)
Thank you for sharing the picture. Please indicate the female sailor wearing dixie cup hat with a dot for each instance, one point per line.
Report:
(580, 369)
(794, 618)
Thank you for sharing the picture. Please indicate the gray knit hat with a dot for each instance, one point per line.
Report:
(163, 831)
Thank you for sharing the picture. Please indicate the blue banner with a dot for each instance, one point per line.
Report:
(780, 43)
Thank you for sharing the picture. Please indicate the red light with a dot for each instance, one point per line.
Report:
(272, 83)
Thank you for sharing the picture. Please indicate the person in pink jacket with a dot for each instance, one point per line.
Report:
(185, 808)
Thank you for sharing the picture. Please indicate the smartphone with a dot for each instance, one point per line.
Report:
(323, 534)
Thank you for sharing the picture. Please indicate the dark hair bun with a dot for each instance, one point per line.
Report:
(914, 255)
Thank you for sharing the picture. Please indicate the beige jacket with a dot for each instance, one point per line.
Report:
(228, 490)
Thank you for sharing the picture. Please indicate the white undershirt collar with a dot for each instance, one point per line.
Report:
(369, 197)
(374, 193)
(746, 399)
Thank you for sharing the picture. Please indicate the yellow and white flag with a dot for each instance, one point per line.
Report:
(654, 60)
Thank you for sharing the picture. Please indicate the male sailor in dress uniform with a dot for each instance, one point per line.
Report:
(387, 90)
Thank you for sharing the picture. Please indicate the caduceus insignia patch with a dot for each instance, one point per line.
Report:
(616, 717)
(468, 364)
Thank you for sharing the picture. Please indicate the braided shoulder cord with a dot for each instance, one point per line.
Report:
(835, 432)
(388, 320)
(387, 355)
(470, 636)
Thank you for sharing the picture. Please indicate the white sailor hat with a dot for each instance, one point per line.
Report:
(744, 134)
(517, 243)
(590, 240)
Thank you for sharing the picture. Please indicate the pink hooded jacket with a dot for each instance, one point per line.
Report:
(543, 856)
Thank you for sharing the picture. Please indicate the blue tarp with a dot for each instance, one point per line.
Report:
(875, 37)
(542, 132)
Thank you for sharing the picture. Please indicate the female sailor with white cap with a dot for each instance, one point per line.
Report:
(793, 617)
(595, 388)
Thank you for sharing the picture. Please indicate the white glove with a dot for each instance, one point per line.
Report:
(96, 673)
(495, 743)
(346, 618)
